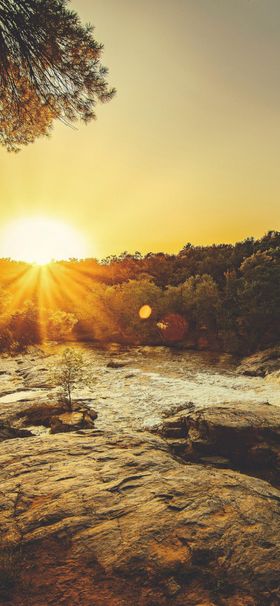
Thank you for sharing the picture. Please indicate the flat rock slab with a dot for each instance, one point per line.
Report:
(48, 413)
(117, 521)
(247, 436)
(24, 414)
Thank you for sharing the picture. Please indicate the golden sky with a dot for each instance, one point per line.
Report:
(189, 148)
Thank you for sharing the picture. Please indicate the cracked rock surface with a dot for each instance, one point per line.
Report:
(98, 519)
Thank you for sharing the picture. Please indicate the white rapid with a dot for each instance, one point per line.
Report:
(149, 382)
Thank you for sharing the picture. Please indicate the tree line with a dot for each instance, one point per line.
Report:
(223, 297)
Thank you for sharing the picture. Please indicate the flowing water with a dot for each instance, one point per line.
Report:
(149, 382)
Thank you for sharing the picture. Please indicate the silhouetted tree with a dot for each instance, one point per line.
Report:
(49, 68)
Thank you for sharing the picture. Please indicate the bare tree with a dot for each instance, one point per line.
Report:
(49, 69)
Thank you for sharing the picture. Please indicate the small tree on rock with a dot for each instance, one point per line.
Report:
(72, 371)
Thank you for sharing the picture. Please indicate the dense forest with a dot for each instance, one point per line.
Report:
(223, 297)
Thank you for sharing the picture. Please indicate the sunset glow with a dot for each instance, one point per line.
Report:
(139, 302)
(171, 159)
(40, 240)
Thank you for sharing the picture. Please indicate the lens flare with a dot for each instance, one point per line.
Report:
(145, 312)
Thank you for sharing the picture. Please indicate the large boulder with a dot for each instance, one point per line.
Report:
(244, 437)
(117, 521)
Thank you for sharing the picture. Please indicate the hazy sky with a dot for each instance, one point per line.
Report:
(188, 150)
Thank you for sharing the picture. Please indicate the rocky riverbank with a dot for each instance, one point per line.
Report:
(122, 517)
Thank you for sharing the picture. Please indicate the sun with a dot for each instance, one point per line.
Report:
(41, 240)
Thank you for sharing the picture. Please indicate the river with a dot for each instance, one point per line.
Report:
(149, 382)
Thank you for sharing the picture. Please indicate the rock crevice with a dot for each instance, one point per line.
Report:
(244, 437)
